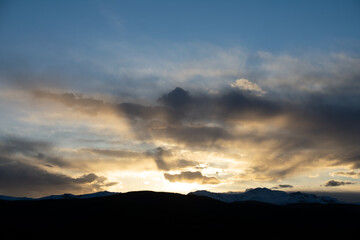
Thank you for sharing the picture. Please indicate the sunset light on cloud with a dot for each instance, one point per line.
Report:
(123, 96)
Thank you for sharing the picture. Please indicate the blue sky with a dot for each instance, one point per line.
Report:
(43, 30)
(255, 25)
(220, 95)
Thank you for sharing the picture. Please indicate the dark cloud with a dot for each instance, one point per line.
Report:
(282, 186)
(178, 102)
(23, 170)
(87, 178)
(51, 161)
(309, 127)
(90, 106)
(159, 154)
(37, 150)
(11, 145)
(326, 114)
(193, 135)
(191, 177)
(336, 183)
(18, 178)
(165, 160)
(229, 105)
(18, 174)
(137, 111)
(174, 107)
(178, 106)
(177, 98)
(239, 104)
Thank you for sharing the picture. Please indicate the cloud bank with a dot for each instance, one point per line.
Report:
(263, 117)
(293, 135)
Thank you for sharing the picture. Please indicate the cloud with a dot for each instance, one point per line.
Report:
(308, 117)
(282, 186)
(108, 159)
(158, 154)
(86, 105)
(39, 151)
(333, 73)
(307, 129)
(115, 153)
(184, 163)
(165, 159)
(51, 161)
(239, 105)
(161, 158)
(24, 170)
(246, 85)
(193, 135)
(177, 98)
(93, 107)
(18, 178)
(336, 183)
(352, 174)
(87, 178)
(307, 120)
(191, 177)
(12, 145)
(294, 135)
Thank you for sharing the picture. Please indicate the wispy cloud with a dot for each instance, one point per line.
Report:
(351, 174)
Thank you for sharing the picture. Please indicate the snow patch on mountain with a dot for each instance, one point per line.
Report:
(268, 196)
(83, 196)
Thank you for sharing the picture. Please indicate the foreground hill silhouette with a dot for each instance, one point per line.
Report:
(159, 214)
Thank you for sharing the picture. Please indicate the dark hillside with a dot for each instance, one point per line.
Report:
(157, 214)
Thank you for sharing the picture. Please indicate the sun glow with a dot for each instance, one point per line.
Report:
(181, 187)
(145, 180)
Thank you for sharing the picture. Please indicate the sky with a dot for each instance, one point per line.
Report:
(179, 96)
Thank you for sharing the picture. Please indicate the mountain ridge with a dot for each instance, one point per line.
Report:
(263, 195)
(266, 195)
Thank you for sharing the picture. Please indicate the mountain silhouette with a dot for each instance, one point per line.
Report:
(160, 213)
